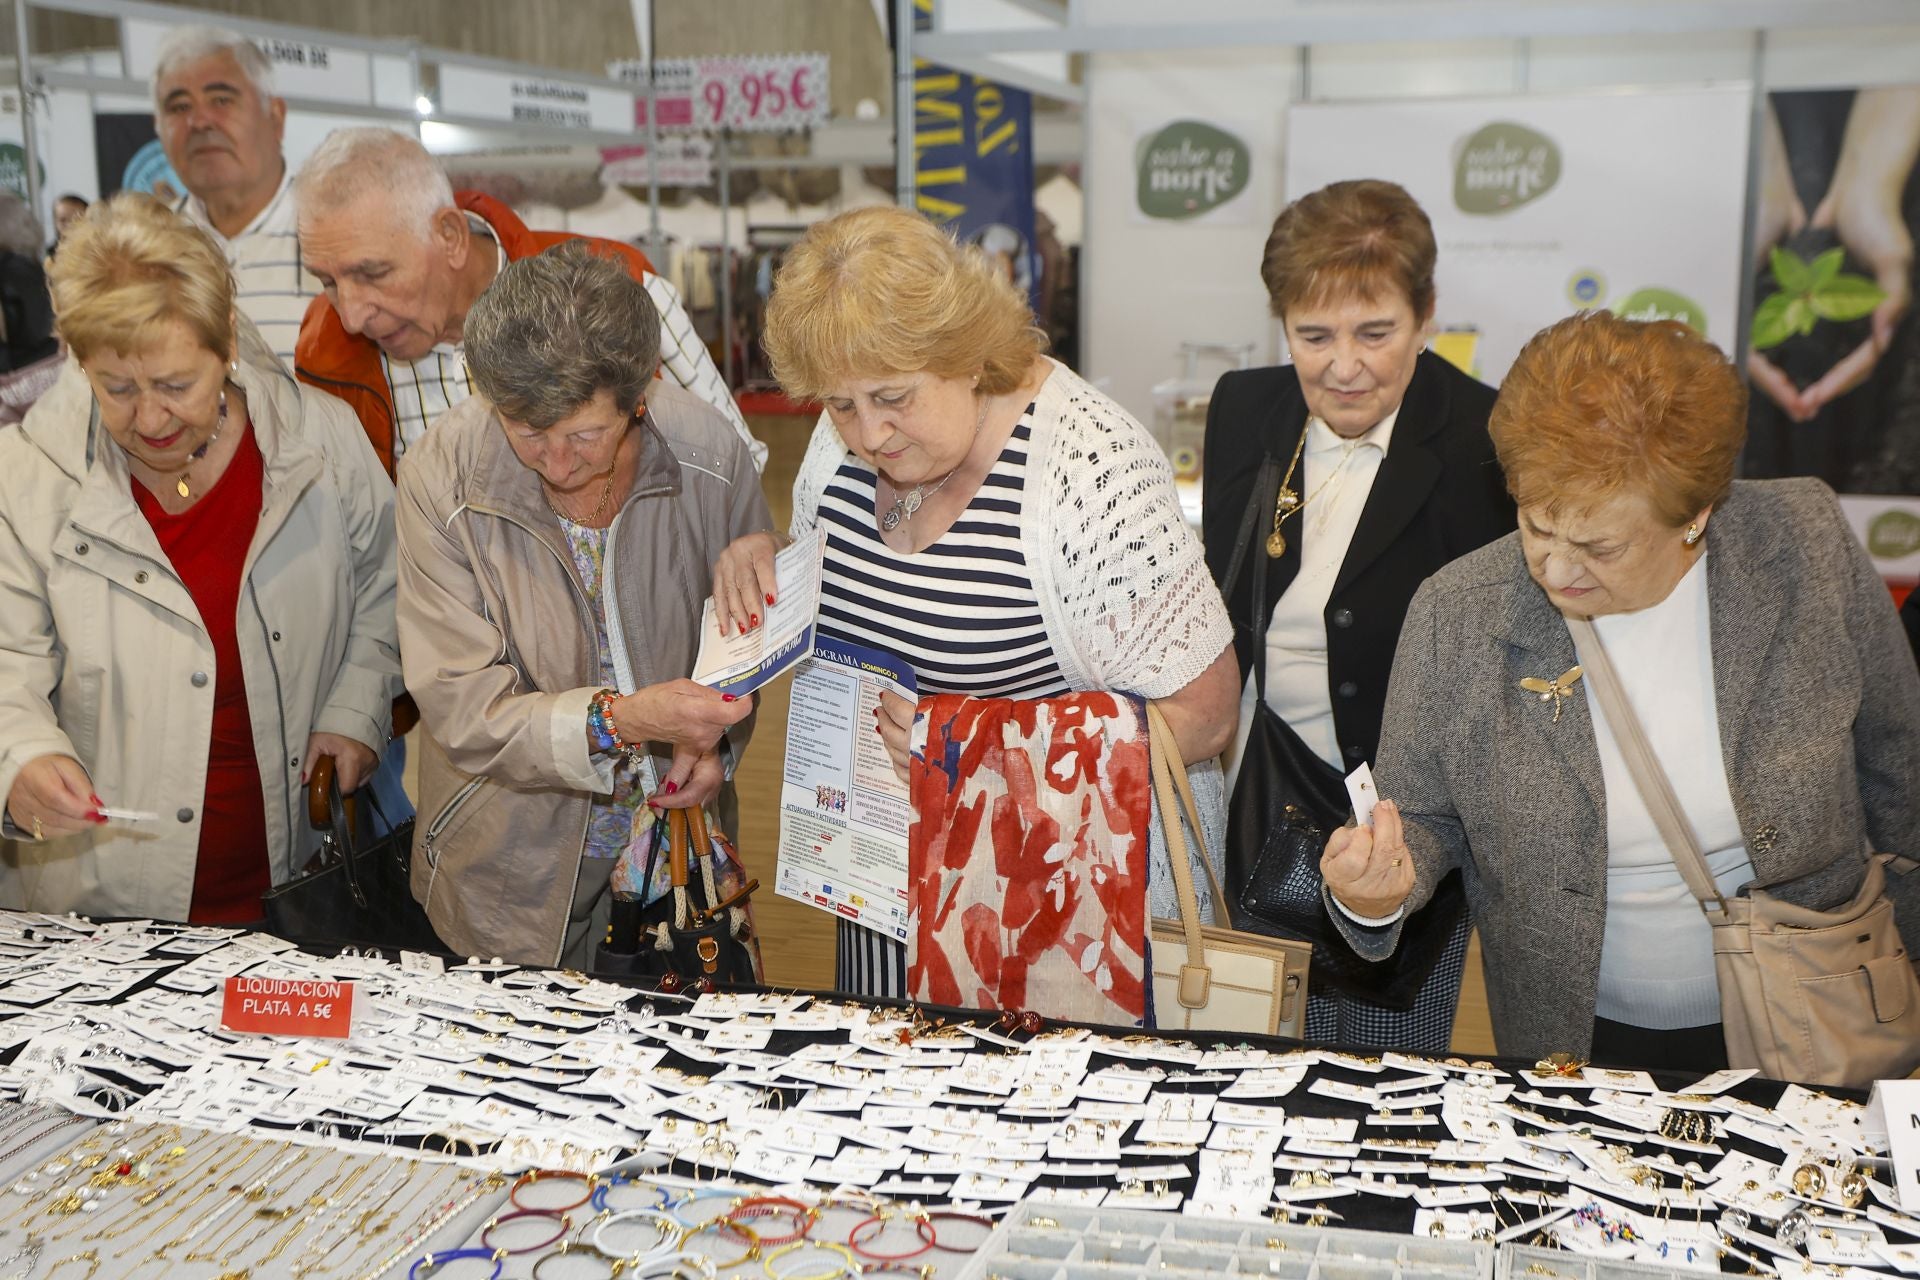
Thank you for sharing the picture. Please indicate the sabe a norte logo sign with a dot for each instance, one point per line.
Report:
(1502, 167)
(1189, 168)
(1653, 303)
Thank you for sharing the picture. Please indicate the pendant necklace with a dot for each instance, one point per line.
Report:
(1288, 502)
(180, 485)
(913, 499)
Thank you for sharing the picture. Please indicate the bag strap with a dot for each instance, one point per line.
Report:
(1266, 489)
(1656, 790)
(1165, 751)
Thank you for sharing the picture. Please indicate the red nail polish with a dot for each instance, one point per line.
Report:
(672, 787)
(100, 818)
(98, 803)
(753, 619)
(769, 597)
(729, 697)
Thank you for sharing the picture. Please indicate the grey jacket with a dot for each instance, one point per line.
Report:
(1819, 708)
(497, 641)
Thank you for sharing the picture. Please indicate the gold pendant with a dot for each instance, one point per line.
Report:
(180, 487)
(1276, 544)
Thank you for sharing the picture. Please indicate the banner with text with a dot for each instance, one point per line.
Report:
(973, 163)
(1545, 205)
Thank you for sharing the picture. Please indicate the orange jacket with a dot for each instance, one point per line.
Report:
(349, 365)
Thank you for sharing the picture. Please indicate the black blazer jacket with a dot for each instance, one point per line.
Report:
(1439, 494)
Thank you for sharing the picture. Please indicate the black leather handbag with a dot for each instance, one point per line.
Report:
(350, 894)
(1285, 801)
(685, 932)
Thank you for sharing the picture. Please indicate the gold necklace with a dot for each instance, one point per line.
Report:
(180, 485)
(599, 508)
(1287, 502)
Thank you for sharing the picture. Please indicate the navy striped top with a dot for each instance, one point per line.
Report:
(962, 611)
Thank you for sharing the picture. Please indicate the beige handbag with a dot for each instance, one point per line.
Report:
(1213, 977)
(1821, 997)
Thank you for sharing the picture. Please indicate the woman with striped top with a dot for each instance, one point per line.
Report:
(988, 516)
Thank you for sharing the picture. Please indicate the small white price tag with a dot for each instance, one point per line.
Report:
(1893, 1116)
(1361, 791)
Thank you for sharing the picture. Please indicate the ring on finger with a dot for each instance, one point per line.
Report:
(39, 832)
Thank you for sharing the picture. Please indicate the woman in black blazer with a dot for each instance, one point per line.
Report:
(1388, 474)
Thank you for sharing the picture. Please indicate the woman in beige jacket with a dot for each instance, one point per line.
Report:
(196, 593)
(557, 532)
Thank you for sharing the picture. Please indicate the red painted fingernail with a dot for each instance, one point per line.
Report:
(100, 818)
(769, 597)
(753, 619)
(672, 787)
(98, 803)
(729, 697)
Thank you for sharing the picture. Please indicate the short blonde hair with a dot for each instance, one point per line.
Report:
(1596, 406)
(881, 291)
(129, 267)
(1361, 239)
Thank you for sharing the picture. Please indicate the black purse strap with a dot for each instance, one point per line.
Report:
(343, 839)
(1266, 490)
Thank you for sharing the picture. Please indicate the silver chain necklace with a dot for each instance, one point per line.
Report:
(913, 499)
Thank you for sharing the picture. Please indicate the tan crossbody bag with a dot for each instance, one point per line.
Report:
(1820, 997)
(1214, 977)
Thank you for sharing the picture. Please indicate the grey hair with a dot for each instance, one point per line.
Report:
(554, 330)
(352, 163)
(19, 230)
(190, 44)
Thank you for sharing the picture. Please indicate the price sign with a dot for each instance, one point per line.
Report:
(673, 99)
(768, 94)
(288, 1007)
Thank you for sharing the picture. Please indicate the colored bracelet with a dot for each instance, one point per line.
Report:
(571, 1250)
(603, 700)
(434, 1261)
(587, 1181)
(928, 1233)
(879, 1221)
(845, 1267)
(803, 1216)
(695, 1197)
(602, 1195)
(501, 1220)
(667, 1238)
(740, 1231)
(600, 720)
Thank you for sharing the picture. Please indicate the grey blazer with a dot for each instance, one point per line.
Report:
(1819, 709)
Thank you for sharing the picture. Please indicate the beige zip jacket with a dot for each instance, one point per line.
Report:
(498, 642)
(103, 656)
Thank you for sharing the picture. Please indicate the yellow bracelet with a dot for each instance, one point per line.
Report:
(847, 1267)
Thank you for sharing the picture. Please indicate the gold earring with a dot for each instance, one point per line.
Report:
(1693, 534)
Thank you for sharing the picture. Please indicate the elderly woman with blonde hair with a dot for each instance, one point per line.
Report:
(196, 555)
(1760, 664)
(988, 516)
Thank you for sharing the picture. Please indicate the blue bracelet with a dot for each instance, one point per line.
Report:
(600, 1192)
(434, 1261)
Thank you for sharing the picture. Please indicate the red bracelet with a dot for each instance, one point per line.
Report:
(853, 1239)
(587, 1182)
(566, 1225)
(927, 1232)
(604, 701)
(803, 1215)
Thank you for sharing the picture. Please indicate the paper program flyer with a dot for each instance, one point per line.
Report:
(844, 813)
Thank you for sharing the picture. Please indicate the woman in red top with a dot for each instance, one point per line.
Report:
(196, 560)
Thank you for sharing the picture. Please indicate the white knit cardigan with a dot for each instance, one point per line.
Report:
(1125, 594)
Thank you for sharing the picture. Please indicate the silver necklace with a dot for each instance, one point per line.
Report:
(913, 499)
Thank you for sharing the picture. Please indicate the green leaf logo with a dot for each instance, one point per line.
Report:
(13, 169)
(1893, 534)
(1188, 168)
(1502, 167)
(1810, 292)
(1662, 304)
